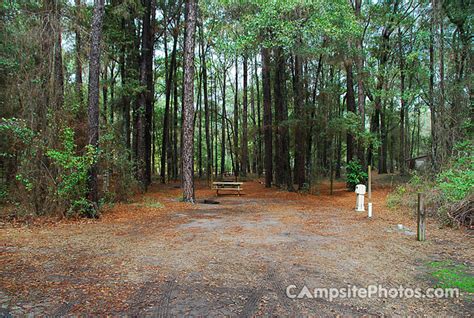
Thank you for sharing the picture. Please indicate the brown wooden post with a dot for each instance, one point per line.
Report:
(421, 217)
(369, 186)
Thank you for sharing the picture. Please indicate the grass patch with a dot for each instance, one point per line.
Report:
(149, 203)
(452, 275)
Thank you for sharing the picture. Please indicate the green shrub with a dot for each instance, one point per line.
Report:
(457, 181)
(71, 185)
(355, 174)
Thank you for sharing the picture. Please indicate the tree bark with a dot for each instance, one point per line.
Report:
(199, 118)
(78, 71)
(216, 115)
(282, 156)
(93, 110)
(142, 110)
(299, 169)
(105, 91)
(254, 122)
(402, 154)
(206, 109)
(360, 85)
(351, 107)
(188, 106)
(223, 124)
(149, 99)
(267, 116)
(309, 142)
(432, 106)
(245, 148)
(174, 160)
(236, 120)
(259, 121)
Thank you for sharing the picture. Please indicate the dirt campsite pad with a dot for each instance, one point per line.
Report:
(158, 256)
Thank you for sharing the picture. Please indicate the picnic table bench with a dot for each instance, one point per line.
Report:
(227, 186)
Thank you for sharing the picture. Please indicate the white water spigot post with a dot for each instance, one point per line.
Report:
(360, 192)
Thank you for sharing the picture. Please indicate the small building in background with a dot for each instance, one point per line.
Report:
(418, 163)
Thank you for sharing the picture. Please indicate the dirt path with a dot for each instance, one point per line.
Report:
(161, 257)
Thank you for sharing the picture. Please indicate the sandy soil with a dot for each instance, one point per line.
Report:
(161, 257)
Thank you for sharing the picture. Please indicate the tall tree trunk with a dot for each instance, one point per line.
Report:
(223, 124)
(78, 72)
(254, 123)
(339, 140)
(199, 118)
(206, 108)
(236, 120)
(215, 125)
(175, 128)
(229, 140)
(104, 94)
(142, 128)
(384, 140)
(93, 110)
(360, 85)
(129, 66)
(393, 139)
(267, 116)
(112, 92)
(245, 147)
(166, 115)
(350, 96)
(442, 89)
(309, 142)
(282, 156)
(58, 64)
(259, 120)
(432, 106)
(402, 154)
(149, 99)
(299, 169)
(80, 130)
(188, 105)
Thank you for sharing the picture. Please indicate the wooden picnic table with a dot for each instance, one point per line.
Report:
(227, 186)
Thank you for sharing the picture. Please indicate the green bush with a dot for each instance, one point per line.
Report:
(71, 184)
(355, 174)
(457, 181)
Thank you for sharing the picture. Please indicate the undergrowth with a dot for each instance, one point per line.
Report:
(446, 195)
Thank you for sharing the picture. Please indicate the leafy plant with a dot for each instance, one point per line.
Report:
(458, 181)
(355, 174)
(71, 186)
